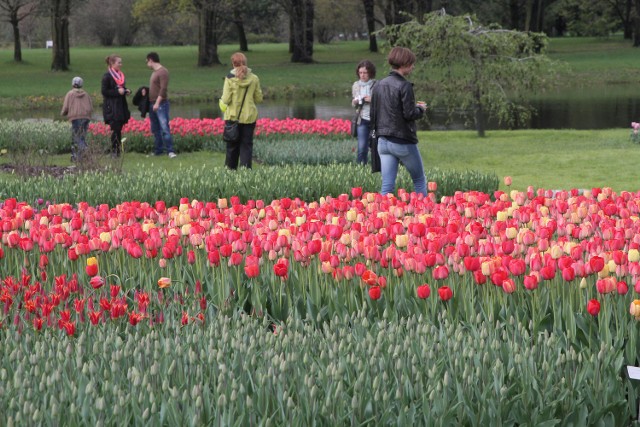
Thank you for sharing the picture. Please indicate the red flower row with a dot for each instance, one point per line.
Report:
(214, 127)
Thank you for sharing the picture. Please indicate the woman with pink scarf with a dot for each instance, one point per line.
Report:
(115, 109)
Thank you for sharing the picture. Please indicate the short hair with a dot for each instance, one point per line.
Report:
(153, 56)
(401, 57)
(371, 69)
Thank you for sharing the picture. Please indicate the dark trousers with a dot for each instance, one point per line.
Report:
(243, 149)
(116, 137)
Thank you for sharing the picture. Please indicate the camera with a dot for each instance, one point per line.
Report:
(361, 102)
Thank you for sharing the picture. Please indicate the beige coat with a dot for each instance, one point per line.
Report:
(77, 105)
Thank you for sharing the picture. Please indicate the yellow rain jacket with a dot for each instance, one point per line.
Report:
(232, 94)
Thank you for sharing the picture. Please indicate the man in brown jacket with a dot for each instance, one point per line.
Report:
(77, 107)
(159, 107)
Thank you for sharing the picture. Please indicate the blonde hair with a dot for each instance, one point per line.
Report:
(239, 62)
(111, 59)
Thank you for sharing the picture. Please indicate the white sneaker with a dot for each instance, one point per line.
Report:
(172, 155)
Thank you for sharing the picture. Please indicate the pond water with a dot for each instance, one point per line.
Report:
(584, 108)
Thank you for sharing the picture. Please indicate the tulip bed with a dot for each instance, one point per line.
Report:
(276, 141)
(471, 309)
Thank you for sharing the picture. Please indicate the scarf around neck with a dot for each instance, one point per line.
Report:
(118, 77)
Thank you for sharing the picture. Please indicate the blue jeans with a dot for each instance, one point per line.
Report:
(160, 128)
(79, 129)
(391, 155)
(363, 142)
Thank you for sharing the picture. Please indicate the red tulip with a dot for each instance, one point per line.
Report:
(281, 268)
(596, 263)
(622, 288)
(531, 282)
(423, 291)
(593, 307)
(445, 293)
(375, 292)
(568, 274)
(251, 270)
(96, 282)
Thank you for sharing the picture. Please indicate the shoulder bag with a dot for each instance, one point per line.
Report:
(354, 123)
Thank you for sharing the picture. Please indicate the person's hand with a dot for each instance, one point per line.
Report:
(421, 105)
(121, 91)
(127, 91)
(155, 107)
(367, 98)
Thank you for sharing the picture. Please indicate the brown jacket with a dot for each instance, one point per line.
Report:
(77, 105)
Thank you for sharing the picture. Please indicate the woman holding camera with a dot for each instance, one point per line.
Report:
(361, 94)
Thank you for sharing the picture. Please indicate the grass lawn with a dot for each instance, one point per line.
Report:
(550, 159)
(588, 62)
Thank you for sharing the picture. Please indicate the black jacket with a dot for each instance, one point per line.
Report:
(114, 106)
(142, 101)
(393, 109)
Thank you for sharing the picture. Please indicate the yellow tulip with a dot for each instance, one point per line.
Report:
(92, 261)
(633, 255)
(634, 309)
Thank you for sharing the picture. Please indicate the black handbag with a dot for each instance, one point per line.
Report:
(354, 124)
(231, 132)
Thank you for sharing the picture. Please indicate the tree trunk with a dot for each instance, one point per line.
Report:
(301, 22)
(17, 46)
(371, 24)
(242, 36)
(207, 38)
(529, 14)
(60, 11)
(309, 16)
(514, 14)
(636, 25)
(479, 117)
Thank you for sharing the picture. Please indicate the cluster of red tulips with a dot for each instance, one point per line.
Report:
(214, 127)
(513, 242)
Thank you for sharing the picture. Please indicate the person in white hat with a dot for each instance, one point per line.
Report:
(77, 107)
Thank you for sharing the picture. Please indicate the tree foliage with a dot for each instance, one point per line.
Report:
(485, 70)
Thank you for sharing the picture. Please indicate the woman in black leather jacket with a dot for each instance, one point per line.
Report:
(394, 112)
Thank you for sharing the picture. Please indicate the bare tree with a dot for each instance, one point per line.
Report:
(14, 11)
(109, 21)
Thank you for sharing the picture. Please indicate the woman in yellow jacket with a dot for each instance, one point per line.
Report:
(240, 95)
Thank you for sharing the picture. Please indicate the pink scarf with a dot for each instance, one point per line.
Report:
(118, 76)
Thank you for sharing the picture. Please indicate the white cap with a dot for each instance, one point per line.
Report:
(77, 82)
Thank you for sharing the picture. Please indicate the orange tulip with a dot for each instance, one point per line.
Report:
(164, 282)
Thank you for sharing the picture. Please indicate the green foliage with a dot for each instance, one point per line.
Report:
(307, 150)
(349, 370)
(486, 70)
(265, 183)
